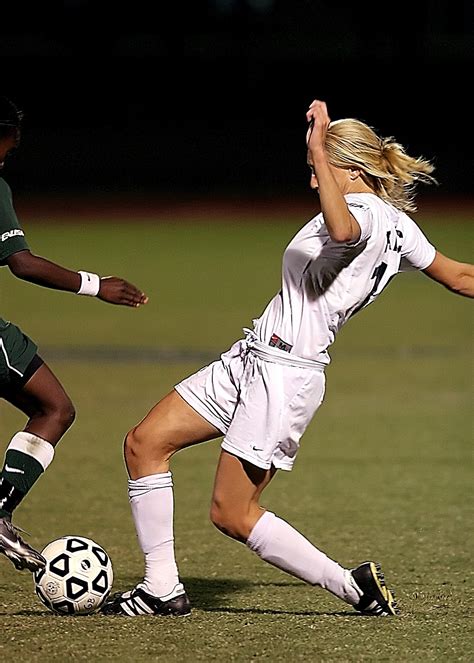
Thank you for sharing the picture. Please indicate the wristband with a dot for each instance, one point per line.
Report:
(90, 284)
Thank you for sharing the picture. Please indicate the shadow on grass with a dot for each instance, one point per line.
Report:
(208, 595)
(212, 594)
(295, 613)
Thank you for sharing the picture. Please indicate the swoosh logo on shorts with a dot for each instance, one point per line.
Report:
(13, 469)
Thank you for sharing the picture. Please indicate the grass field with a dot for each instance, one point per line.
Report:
(385, 470)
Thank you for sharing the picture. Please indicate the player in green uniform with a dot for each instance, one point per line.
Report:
(25, 380)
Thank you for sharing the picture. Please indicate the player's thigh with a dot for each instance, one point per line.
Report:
(46, 388)
(173, 424)
(42, 393)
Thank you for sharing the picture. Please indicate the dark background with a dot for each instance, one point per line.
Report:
(209, 97)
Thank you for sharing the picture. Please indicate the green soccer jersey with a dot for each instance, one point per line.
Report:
(12, 237)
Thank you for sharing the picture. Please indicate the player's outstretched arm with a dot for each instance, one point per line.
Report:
(456, 276)
(41, 271)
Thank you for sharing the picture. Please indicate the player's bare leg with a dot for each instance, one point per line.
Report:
(50, 413)
(236, 512)
(170, 426)
(49, 409)
(173, 425)
(238, 485)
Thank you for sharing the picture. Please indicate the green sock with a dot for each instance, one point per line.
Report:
(19, 473)
(26, 458)
(21, 470)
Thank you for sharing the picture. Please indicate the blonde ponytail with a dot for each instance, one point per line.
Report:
(386, 167)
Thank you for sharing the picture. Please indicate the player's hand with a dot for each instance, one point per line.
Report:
(319, 120)
(117, 291)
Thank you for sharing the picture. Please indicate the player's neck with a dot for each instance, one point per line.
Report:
(359, 186)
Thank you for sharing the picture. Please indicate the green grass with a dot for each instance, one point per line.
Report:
(385, 469)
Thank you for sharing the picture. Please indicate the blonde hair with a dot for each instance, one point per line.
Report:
(386, 167)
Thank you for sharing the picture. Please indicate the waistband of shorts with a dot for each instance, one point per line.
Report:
(269, 353)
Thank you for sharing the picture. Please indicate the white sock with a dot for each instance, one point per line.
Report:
(32, 445)
(151, 500)
(279, 544)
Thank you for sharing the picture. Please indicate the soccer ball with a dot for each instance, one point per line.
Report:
(77, 578)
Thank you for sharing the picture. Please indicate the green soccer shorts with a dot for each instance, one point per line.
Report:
(17, 352)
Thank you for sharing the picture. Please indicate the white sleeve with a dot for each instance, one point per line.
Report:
(417, 252)
(363, 216)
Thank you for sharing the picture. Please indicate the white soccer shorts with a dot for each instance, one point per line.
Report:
(261, 399)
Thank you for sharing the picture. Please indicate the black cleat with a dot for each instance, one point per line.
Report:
(138, 602)
(18, 551)
(376, 598)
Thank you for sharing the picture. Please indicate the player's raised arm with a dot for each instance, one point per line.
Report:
(38, 270)
(330, 183)
(456, 276)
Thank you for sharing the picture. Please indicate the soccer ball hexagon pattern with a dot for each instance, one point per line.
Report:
(77, 578)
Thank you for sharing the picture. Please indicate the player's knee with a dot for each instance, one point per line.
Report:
(229, 521)
(221, 519)
(64, 414)
(145, 442)
(139, 444)
(133, 443)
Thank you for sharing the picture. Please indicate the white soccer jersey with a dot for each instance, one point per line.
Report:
(325, 282)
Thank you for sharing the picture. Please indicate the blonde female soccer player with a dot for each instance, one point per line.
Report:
(262, 393)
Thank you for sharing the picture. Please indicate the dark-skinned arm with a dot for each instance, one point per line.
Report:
(35, 269)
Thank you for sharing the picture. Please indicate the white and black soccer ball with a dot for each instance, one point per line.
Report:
(77, 578)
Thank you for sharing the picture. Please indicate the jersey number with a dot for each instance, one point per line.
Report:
(378, 276)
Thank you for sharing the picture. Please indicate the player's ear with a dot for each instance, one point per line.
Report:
(354, 173)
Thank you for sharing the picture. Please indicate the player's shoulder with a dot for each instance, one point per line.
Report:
(4, 187)
(5, 193)
(361, 201)
(365, 208)
(372, 203)
(405, 221)
(366, 201)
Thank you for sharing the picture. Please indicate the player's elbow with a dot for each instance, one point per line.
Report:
(21, 272)
(21, 265)
(462, 284)
(460, 279)
(342, 229)
(344, 232)
(341, 236)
